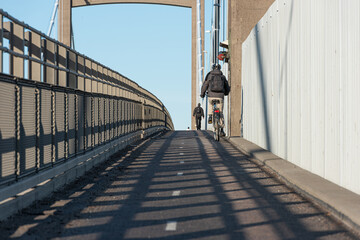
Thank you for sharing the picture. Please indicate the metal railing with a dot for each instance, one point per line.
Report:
(57, 103)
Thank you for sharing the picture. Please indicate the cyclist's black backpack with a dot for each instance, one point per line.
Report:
(198, 111)
(217, 84)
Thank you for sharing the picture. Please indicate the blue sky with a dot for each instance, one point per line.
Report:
(150, 44)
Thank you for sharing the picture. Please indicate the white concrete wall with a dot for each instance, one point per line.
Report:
(301, 85)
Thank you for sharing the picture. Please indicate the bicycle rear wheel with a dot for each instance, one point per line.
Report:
(216, 130)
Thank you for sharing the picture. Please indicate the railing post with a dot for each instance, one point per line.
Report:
(112, 119)
(143, 118)
(117, 113)
(92, 121)
(37, 131)
(53, 128)
(17, 131)
(127, 116)
(99, 120)
(123, 117)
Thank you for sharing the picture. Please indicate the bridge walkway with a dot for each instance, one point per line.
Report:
(179, 185)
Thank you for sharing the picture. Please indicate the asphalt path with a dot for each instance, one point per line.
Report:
(179, 185)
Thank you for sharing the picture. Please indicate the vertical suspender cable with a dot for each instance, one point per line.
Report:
(53, 17)
(216, 29)
(72, 44)
(199, 47)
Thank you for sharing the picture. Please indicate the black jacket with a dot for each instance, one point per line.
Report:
(205, 86)
(199, 113)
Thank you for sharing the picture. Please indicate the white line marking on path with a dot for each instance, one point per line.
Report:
(181, 153)
(171, 226)
(181, 161)
(181, 147)
(176, 193)
(180, 173)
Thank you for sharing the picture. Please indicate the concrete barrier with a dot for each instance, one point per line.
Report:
(341, 203)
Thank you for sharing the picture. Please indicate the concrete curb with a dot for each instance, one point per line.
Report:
(25, 192)
(343, 204)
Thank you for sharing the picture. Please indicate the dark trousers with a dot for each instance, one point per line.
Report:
(198, 123)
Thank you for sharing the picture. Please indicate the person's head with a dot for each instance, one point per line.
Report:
(199, 105)
(216, 66)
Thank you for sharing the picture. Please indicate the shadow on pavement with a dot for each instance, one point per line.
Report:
(181, 185)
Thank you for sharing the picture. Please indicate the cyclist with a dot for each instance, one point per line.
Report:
(217, 87)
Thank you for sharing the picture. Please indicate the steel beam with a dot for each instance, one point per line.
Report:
(177, 3)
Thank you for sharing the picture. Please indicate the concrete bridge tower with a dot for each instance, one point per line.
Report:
(242, 17)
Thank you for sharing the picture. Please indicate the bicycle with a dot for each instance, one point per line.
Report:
(216, 119)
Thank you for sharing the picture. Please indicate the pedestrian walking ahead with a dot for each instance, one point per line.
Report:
(198, 114)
